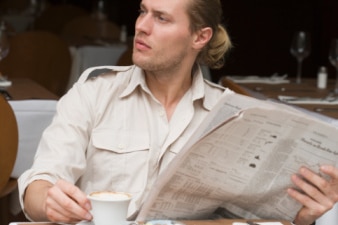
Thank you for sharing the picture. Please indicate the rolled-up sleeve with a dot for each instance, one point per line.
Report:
(61, 151)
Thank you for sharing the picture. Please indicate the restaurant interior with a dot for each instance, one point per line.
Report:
(261, 32)
(52, 41)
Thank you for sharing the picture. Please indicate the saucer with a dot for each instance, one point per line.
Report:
(92, 223)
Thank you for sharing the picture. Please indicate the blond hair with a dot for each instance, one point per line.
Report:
(208, 13)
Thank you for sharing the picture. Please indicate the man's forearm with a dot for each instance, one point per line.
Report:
(34, 200)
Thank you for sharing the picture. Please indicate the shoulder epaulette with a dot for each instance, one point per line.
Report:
(98, 72)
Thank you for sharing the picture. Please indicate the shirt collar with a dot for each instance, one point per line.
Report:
(137, 78)
(198, 90)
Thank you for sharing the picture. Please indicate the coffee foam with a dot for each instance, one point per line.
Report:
(110, 196)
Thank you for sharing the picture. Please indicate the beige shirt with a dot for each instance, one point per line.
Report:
(111, 133)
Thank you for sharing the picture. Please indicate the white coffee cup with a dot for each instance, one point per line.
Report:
(109, 207)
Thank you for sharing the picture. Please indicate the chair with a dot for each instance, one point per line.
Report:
(40, 56)
(55, 17)
(14, 5)
(225, 82)
(92, 28)
(126, 58)
(8, 153)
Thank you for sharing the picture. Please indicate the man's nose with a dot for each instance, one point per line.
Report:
(144, 24)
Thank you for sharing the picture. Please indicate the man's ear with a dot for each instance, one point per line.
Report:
(202, 37)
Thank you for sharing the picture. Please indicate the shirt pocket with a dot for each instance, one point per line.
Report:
(118, 158)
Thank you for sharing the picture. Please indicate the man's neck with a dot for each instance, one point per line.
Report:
(169, 88)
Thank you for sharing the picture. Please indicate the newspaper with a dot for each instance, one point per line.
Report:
(241, 160)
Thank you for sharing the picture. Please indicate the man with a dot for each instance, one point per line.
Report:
(120, 129)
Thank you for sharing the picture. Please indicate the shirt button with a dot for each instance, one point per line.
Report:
(121, 146)
(162, 113)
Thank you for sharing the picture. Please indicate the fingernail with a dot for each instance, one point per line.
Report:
(324, 167)
(88, 206)
(88, 216)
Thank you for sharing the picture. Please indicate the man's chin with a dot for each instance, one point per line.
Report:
(144, 66)
(140, 63)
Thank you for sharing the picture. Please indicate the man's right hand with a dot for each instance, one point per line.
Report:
(62, 202)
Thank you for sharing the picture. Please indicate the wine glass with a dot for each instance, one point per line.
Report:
(333, 57)
(4, 44)
(300, 48)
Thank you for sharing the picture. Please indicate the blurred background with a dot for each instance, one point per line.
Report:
(261, 32)
(51, 42)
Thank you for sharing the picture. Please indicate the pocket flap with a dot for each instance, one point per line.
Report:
(120, 141)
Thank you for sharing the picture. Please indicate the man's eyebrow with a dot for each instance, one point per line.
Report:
(156, 12)
(159, 12)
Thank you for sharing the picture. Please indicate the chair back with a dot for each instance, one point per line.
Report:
(14, 5)
(92, 28)
(55, 17)
(40, 56)
(225, 82)
(126, 58)
(8, 142)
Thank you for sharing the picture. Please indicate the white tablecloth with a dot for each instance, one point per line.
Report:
(329, 218)
(89, 56)
(32, 116)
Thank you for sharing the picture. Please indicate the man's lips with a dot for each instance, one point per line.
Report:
(141, 45)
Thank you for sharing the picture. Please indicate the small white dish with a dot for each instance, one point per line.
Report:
(5, 83)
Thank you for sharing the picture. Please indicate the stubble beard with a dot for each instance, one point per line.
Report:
(160, 63)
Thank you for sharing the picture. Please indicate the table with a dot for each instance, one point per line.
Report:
(228, 222)
(187, 222)
(25, 88)
(308, 88)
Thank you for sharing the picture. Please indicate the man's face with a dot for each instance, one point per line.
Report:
(162, 35)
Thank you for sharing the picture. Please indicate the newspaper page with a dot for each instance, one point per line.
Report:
(241, 159)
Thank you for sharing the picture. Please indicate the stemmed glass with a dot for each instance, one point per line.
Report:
(4, 45)
(300, 48)
(333, 57)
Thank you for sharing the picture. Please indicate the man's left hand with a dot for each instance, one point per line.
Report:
(317, 194)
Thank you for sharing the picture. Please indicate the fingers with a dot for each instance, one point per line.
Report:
(330, 188)
(310, 210)
(316, 193)
(327, 185)
(56, 213)
(66, 203)
(74, 193)
(309, 196)
(314, 186)
(330, 170)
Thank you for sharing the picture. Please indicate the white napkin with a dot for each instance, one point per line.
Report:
(274, 79)
(4, 82)
(309, 100)
(260, 223)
